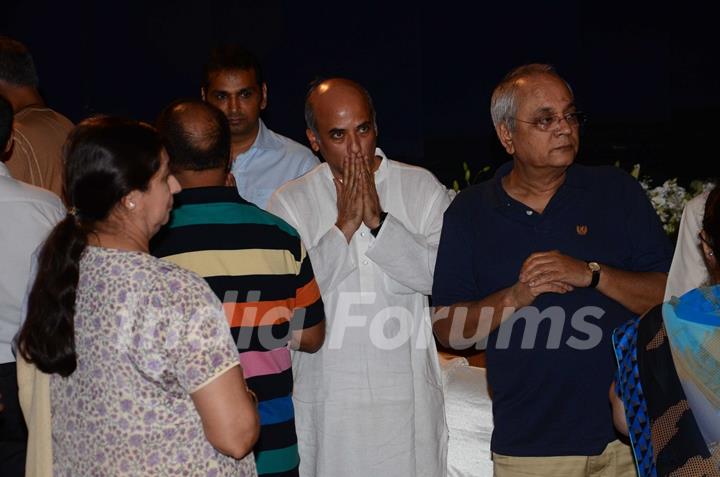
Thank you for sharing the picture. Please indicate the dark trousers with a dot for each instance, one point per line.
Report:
(13, 432)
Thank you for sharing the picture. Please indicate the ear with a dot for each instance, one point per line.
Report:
(130, 201)
(711, 263)
(263, 102)
(202, 93)
(506, 139)
(708, 253)
(230, 180)
(314, 143)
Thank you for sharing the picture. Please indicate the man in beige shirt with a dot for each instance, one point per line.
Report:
(39, 131)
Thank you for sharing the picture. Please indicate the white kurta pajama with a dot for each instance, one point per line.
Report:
(370, 402)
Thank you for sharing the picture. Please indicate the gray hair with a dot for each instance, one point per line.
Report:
(503, 105)
(311, 121)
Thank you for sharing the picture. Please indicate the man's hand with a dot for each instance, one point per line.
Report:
(371, 201)
(553, 267)
(349, 198)
(522, 294)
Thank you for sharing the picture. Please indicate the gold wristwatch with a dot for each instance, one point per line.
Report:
(595, 269)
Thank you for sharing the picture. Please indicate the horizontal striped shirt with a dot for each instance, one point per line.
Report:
(256, 264)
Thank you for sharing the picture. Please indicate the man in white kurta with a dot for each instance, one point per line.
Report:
(370, 402)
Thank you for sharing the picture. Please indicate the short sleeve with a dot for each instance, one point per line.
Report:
(453, 278)
(199, 343)
(651, 247)
(309, 308)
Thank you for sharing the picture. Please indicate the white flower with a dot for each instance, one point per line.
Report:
(669, 199)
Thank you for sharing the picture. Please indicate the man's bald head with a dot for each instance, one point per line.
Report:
(341, 123)
(196, 136)
(326, 92)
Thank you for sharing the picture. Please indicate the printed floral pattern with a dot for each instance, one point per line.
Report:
(147, 334)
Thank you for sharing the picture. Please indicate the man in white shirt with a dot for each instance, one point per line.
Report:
(28, 214)
(262, 160)
(688, 268)
(370, 401)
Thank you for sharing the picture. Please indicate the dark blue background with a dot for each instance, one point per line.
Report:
(646, 73)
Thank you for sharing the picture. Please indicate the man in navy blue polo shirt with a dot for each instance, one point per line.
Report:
(541, 263)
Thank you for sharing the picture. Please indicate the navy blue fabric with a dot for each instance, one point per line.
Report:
(550, 397)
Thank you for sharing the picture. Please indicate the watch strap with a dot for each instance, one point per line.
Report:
(595, 278)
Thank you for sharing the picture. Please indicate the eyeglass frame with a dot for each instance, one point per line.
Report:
(580, 119)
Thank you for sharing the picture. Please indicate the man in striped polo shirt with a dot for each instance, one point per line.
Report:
(254, 262)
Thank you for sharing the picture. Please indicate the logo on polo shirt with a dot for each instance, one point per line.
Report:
(581, 229)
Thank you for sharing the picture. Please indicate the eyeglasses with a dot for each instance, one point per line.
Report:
(550, 122)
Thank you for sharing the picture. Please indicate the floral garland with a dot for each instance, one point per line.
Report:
(669, 199)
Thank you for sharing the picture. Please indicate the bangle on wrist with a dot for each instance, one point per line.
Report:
(253, 396)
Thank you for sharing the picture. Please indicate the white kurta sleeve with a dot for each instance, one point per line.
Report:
(688, 269)
(330, 257)
(409, 258)
(332, 260)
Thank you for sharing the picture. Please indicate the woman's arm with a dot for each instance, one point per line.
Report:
(229, 414)
(618, 411)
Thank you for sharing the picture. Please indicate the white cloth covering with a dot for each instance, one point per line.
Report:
(469, 417)
(688, 269)
(370, 402)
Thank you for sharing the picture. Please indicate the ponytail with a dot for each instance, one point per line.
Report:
(47, 338)
(105, 159)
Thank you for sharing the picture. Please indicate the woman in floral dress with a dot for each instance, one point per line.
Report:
(145, 379)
